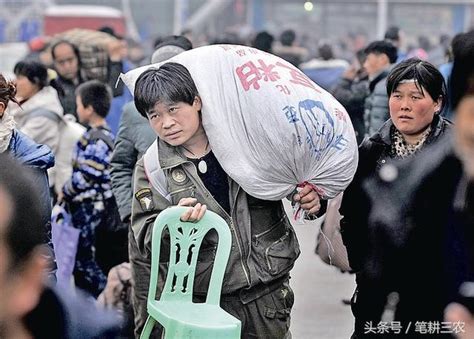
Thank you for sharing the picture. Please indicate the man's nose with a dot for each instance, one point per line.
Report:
(168, 121)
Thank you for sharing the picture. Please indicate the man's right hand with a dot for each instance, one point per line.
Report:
(195, 212)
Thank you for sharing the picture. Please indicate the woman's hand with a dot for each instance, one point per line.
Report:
(195, 212)
(308, 199)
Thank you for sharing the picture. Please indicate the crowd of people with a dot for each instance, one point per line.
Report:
(407, 216)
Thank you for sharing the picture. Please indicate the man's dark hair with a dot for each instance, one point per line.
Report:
(263, 41)
(25, 229)
(382, 47)
(287, 37)
(392, 33)
(461, 82)
(426, 77)
(170, 83)
(74, 48)
(96, 94)
(325, 51)
(175, 40)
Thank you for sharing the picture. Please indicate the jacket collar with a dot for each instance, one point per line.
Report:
(169, 155)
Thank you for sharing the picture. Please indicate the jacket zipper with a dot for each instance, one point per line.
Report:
(232, 228)
(269, 247)
(182, 190)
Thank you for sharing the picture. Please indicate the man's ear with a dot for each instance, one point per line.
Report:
(197, 102)
(28, 284)
(385, 59)
(89, 109)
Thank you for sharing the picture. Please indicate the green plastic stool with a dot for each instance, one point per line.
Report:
(175, 311)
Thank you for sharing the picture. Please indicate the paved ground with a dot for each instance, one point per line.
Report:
(318, 312)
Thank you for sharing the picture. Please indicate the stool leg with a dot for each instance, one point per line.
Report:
(150, 323)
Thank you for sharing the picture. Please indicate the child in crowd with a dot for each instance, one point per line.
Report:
(88, 193)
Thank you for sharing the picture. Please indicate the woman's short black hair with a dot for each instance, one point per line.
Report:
(36, 72)
(426, 76)
(168, 84)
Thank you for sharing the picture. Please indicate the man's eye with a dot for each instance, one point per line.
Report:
(172, 109)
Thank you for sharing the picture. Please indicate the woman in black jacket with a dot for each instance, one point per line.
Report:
(417, 94)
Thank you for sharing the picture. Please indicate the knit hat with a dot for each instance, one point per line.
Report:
(165, 52)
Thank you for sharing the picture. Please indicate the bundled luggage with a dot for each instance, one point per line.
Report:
(270, 127)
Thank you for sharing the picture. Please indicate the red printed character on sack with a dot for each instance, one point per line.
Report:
(250, 74)
(297, 77)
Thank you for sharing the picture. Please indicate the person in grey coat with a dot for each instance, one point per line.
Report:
(378, 63)
(134, 137)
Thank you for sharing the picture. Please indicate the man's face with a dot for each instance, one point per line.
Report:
(375, 63)
(176, 123)
(464, 134)
(66, 62)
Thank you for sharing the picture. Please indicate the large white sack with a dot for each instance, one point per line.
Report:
(269, 126)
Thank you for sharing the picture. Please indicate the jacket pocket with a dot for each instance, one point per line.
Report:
(275, 251)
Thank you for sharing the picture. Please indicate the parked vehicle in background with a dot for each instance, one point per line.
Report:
(58, 19)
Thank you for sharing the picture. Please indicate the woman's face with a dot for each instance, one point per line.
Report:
(25, 89)
(176, 123)
(411, 111)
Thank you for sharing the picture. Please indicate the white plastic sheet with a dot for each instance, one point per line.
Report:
(270, 127)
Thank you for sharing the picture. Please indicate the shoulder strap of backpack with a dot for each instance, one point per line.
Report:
(98, 134)
(154, 172)
(47, 114)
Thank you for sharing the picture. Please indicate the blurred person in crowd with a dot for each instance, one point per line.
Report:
(133, 139)
(67, 63)
(38, 158)
(40, 112)
(28, 307)
(352, 90)
(325, 70)
(396, 37)
(263, 41)
(39, 51)
(136, 53)
(421, 50)
(457, 43)
(422, 247)
(379, 60)
(254, 292)
(438, 55)
(288, 48)
(88, 193)
(417, 93)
